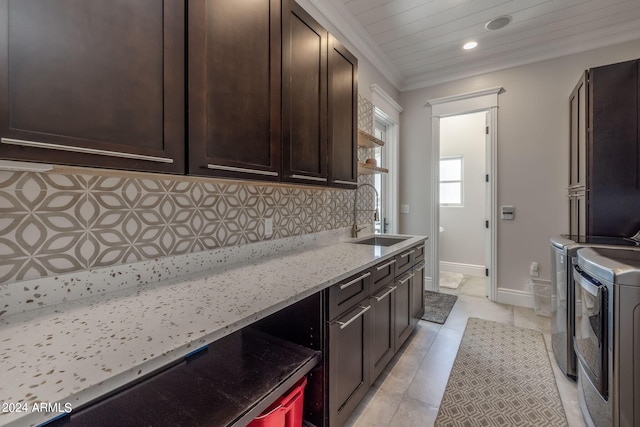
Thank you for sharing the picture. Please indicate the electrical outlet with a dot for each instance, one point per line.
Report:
(268, 227)
(533, 271)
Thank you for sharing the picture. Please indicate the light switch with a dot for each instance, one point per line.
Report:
(404, 209)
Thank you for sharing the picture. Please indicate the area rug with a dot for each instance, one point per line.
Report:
(450, 280)
(501, 377)
(437, 306)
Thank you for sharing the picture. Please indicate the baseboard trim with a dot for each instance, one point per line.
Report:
(514, 297)
(428, 284)
(466, 269)
(521, 298)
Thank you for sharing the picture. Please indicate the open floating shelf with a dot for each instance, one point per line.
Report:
(367, 169)
(367, 140)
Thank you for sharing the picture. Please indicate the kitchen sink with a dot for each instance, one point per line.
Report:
(381, 241)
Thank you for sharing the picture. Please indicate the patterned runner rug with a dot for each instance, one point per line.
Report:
(501, 377)
(437, 306)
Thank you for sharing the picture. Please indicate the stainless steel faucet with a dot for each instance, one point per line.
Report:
(355, 228)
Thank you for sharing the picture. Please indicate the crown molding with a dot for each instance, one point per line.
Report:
(377, 90)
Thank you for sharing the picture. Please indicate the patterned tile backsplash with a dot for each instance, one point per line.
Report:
(54, 223)
(74, 219)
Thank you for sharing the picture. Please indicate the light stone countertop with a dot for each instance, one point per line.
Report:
(73, 352)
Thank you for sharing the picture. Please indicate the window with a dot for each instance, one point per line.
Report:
(380, 132)
(451, 181)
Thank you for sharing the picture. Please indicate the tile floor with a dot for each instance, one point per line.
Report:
(409, 391)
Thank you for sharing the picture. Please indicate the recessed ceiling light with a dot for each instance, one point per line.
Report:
(469, 45)
(499, 22)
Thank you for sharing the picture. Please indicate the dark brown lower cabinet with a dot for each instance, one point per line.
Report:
(417, 293)
(403, 320)
(349, 361)
(382, 330)
(371, 315)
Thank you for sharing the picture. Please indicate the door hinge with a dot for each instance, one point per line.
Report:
(486, 272)
(487, 130)
(486, 224)
(486, 178)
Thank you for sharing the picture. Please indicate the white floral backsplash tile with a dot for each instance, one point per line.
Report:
(54, 223)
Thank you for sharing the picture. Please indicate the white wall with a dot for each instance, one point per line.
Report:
(533, 123)
(463, 239)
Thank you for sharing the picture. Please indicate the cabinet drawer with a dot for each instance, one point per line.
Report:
(418, 255)
(343, 295)
(383, 273)
(403, 261)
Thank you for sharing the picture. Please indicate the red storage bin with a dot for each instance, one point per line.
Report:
(286, 411)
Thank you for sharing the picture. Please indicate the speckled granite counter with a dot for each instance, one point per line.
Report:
(73, 352)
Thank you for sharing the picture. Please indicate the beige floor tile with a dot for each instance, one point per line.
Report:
(376, 409)
(568, 394)
(414, 413)
(524, 317)
(400, 372)
(467, 306)
(474, 286)
(431, 379)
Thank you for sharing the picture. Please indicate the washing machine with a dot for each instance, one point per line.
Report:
(607, 335)
(564, 251)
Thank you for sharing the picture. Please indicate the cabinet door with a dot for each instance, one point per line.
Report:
(304, 96)
(417, 293)
(382, 331)
(577, 214)
(403, 325)
(234, 88)
(578, 133)
(613, 200)
(93, 83)
(349, 343)
(343, 104)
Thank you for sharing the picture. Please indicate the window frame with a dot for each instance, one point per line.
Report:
(459, 157)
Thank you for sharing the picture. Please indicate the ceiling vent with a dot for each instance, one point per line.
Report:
(498, 23)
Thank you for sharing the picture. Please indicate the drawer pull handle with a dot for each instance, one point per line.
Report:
(357, 279)
(406, 279)
(393, 261)
(386, 294)
(420, 267)
(406, 254)
(85, 150)
(310, 178)
(354, 318)
(244, 170)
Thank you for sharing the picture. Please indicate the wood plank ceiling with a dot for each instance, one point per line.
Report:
(422, 39)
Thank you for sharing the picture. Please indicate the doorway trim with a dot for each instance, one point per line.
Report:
(471, 102)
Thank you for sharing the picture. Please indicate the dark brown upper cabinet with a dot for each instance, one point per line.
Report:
(96, 83)
(304, 96)
(343, 110)
(234, 88)
(604, 169)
